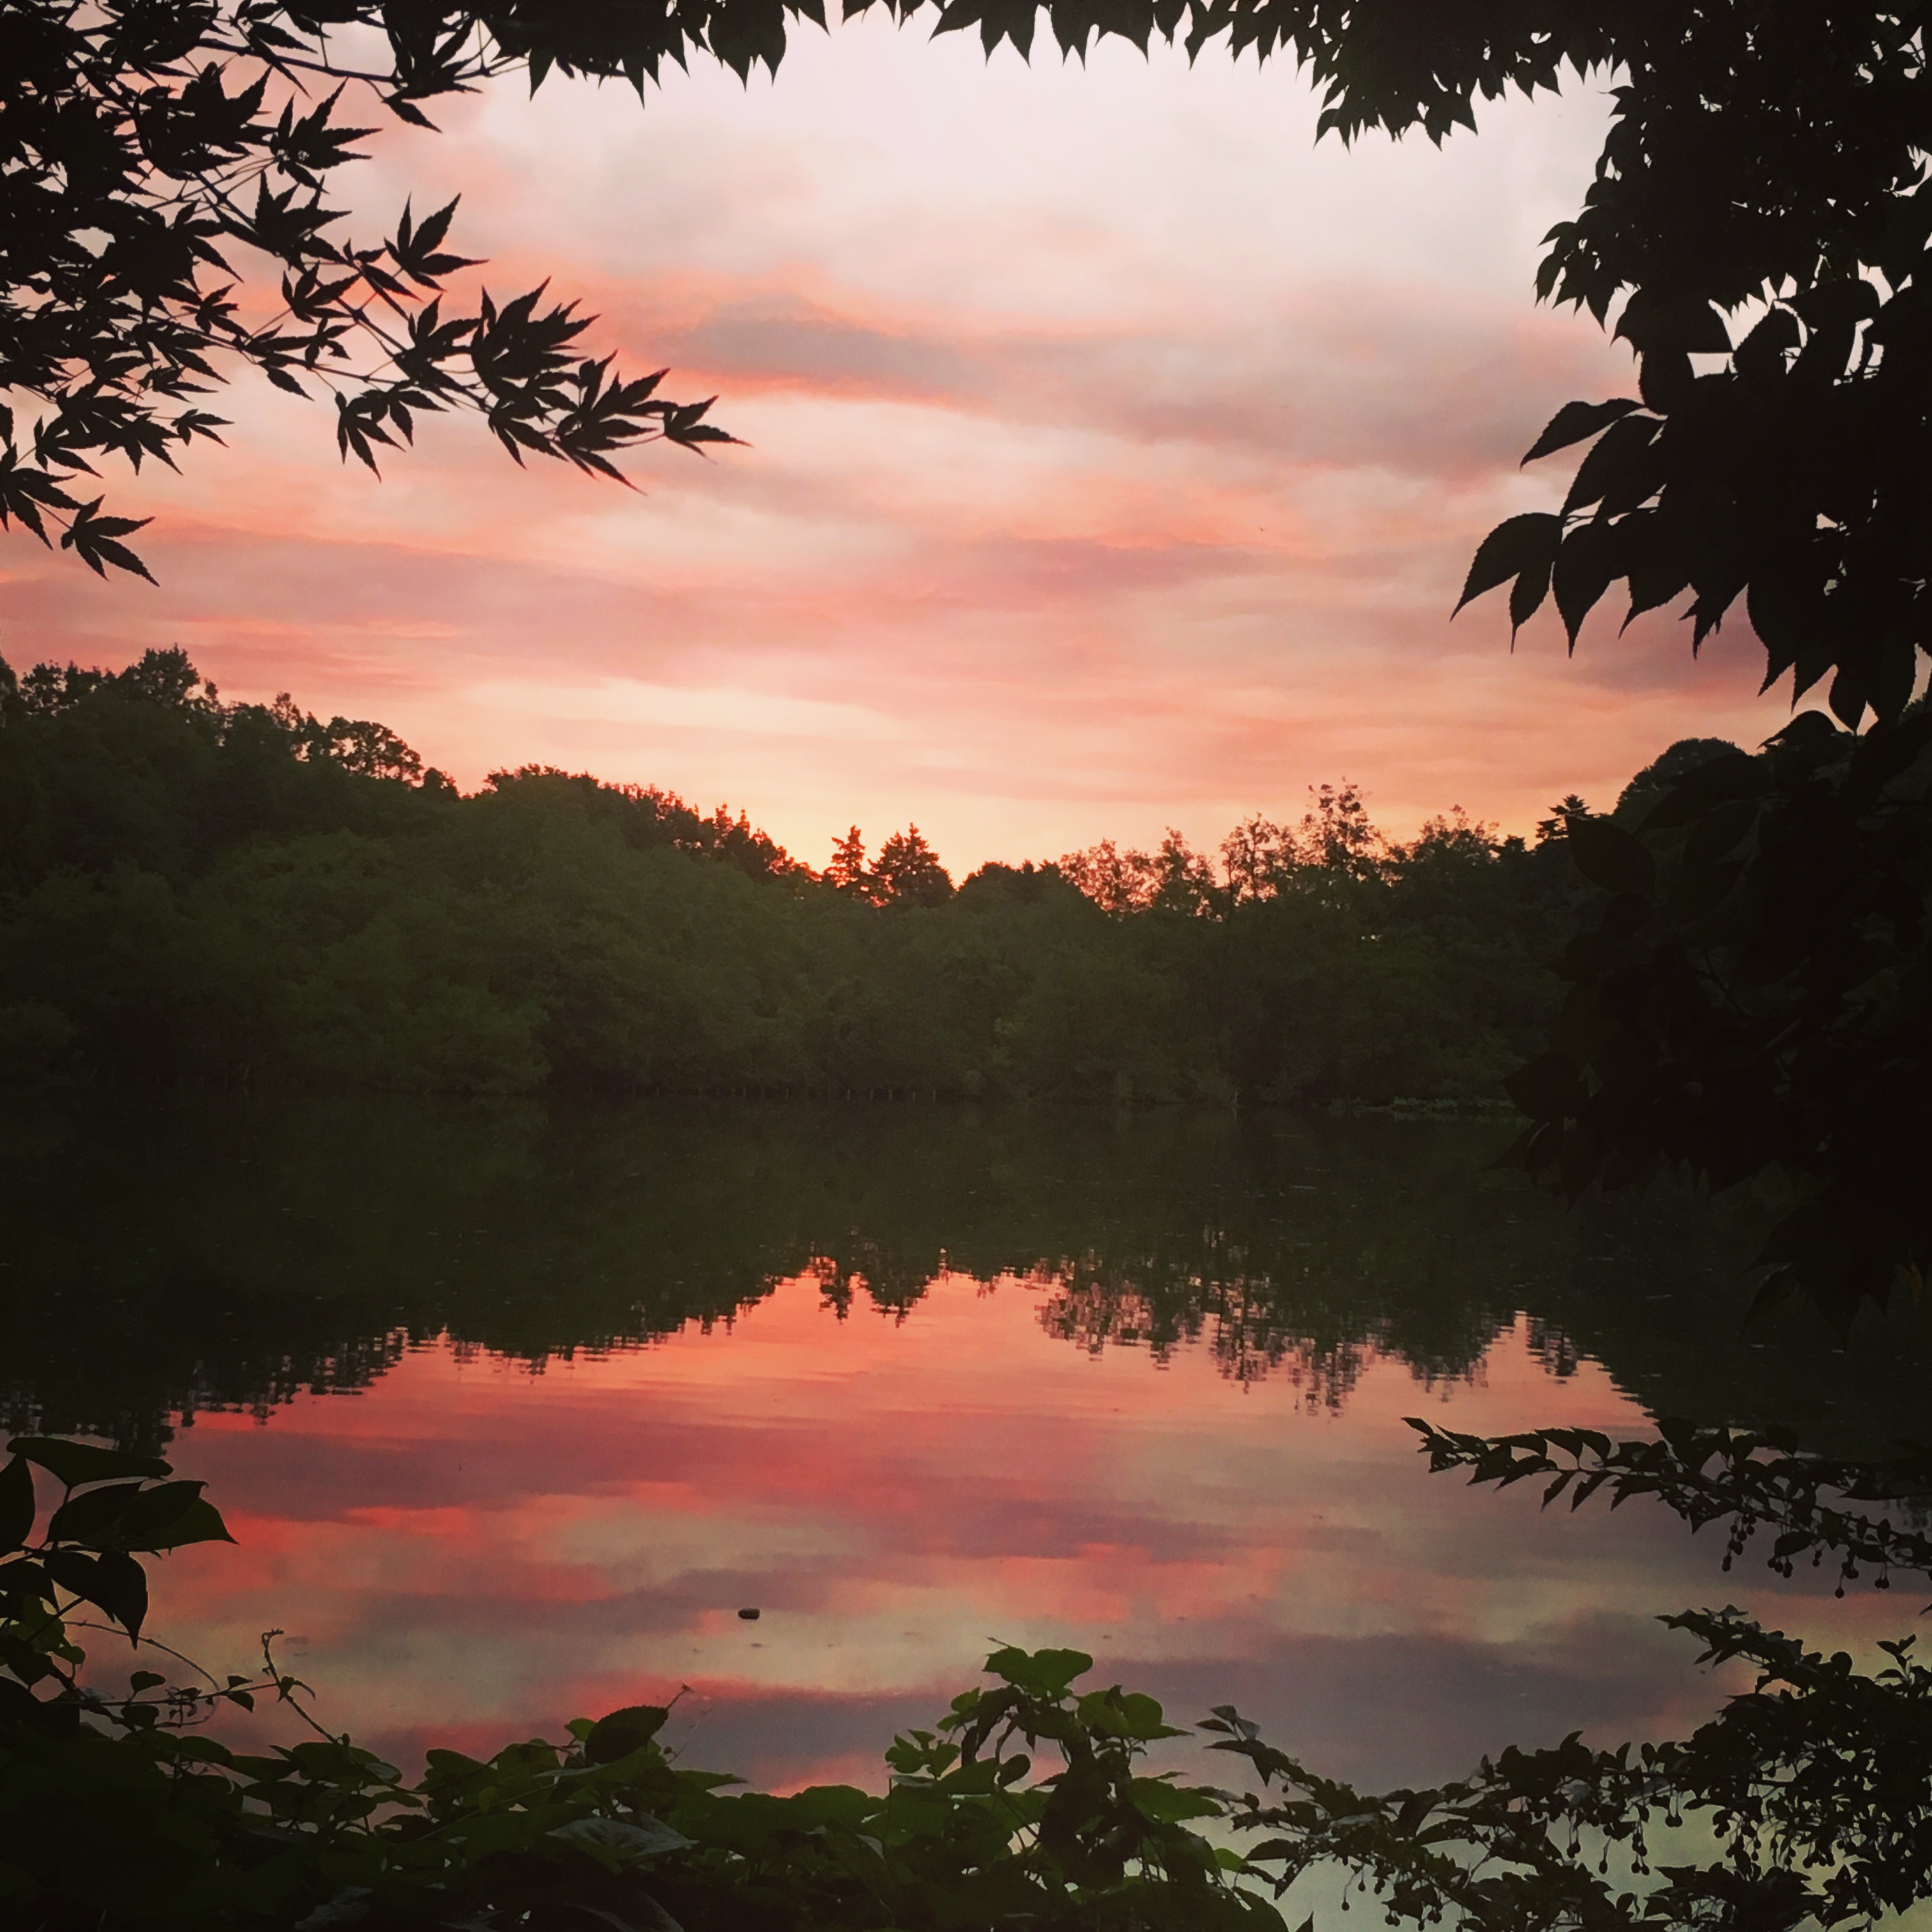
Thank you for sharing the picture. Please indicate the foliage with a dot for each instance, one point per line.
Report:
(848, 871)
(150, 146)
(1816, 1784)
(647, 817)
(1752, 993)
(1175, 879)
(906, 873)
(1747, 1479)
(1814, 1787)
(1755, 156)
(1682, 758)
(197, 890)
(1755, 991)
(1752, 996)
(1764, 164)
(113, 1508)
(1786, 477)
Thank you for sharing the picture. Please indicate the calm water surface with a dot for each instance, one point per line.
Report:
(511, 1412)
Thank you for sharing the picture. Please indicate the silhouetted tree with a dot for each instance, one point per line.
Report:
(1337, 836)
(908, 871)
(1661, 773)
(1183, 881)
(847, 872)
(375, 751)
(1562, 815)
(157, 677)
(1752, 155)
(1256, 857)
(1026, 884)
(1116, 881)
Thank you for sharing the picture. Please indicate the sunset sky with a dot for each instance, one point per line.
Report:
(1115, 457)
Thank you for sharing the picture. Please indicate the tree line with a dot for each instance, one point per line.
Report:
(192, 890)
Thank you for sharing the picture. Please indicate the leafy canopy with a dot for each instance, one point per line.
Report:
(157, 151)
(159, 159)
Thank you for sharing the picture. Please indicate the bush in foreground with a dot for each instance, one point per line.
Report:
(1810, 1796)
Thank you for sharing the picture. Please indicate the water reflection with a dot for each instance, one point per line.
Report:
(240, 1253)
(548, 1399)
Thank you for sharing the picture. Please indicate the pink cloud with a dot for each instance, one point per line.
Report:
(1116, 454)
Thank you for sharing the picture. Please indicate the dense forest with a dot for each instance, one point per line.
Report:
(195, 891)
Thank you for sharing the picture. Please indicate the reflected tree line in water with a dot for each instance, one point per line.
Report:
(177, 1255)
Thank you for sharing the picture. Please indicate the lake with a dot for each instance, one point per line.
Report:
(512, 1410)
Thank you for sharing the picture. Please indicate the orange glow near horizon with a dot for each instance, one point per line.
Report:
(1115, 454)
(471, 1551)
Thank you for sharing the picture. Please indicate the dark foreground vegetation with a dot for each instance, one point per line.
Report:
(192, 890)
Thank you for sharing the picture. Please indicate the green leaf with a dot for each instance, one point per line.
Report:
(837, 1807)
(1848, 698)
(113, 1582)
(1526, 596)
(1838, 303)
(126, 1516)
(616, 1843)
(1525, 543)
(1608, 855)
(1615, 469)
(1652, 320)
(1041, 1673)
(92, 1519)
(1168, 1804)
(623, 1731)
(73, 1570)
(27, 1663)
(1761, 353)
(24, 1587)
(1130, 1715)
(172, 1517)
(1810, 730)
(1699, 890)
(1574, 422)
(121, 1589)
(16, 1505)
(1719, 831)
(1665, 379)
(1895, 670)
(74, 1463)
(1591, 556)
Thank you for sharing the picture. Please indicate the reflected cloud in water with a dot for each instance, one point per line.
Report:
(511, 1413)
